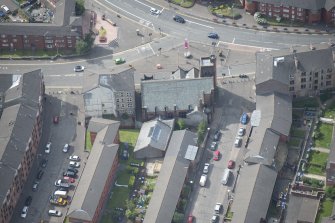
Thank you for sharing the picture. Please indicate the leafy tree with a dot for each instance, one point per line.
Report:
(201, 131)
(130, 212)
(178, 218)
(80, 7)
(330, 192)
(83, 46)
(181, 124)
(131, 181)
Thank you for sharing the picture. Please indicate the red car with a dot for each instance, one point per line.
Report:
(69, 179)
(190, 219)
(56, 119)
(216, 155)
(231, 164)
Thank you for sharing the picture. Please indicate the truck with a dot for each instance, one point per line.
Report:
(225, 176)
(203, 180)
(58, 200)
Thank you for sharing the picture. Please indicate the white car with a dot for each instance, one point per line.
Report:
(155, 11)
(206, 168)
(55, 213)
(66, 148)
(74, 164)
(241, 131)
(48, 148)
(4, 7)
(24, 212)
(74, 158)
(79, 68)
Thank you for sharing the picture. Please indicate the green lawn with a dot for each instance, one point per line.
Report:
(294, 142)
(118, 199)
(312, 169)
(123, 177)
(326, 210)
(184, 3)
(305, 102)
(324, 138)
(300, 133)
(130, 136)
(88, 141)
(318, 157)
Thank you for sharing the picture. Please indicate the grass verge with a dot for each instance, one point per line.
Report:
(325, 210)
(323, 135)
(88, 142)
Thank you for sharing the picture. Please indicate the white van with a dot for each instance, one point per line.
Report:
(238, 142)
(61, 193)
(203, 180)
(225, 177)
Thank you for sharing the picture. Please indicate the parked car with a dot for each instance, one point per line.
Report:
(24, 212)
(243, 76)
(238, 142)
(74, 158)
(154, 11)
(69, 179)
(28, 201)
(213, 35)
(40, 174)
(213, 146)
(179, 19)
(244, 118)
(206, 168)
(35, 186)
(217, 135)
(6, 9)
(55, 119)
(190, 219)
(44, 163)
(120, 60)
(66, 148)
(69, 174)
(218, 207)
(48, 148)
(79, 68)
(216, 155)
(74, 164)
(231, 164)
(72, 170)
(55, 213)
(241, 131)
(58, 183)
(215, 218)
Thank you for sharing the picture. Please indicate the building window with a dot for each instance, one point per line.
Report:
(303, 74)
(130, 105)
(291, 88)
(328, 83)
(316, 82)
(303, 80)
(328, 76)
(292, 82)
(329, 70)
(303, 86)
(316, 74)
(315, 87)
(310, 78)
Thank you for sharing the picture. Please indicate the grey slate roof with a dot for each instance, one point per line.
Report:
(156, 134)
(92, 182)
(276, 112)
(65, 9)
(305, 4)
(263, 146)
(171, 178)
(97, 124)
(182, 93)
(302, 209)
(16, 125)
(185, 73)
(253, 193)
(329, 4)
(122, 81)
(320, 57)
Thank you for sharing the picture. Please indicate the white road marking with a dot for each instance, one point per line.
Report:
(233, 40)
(200, 24)
(54, 75)
(152, 49)
(70, 75)
(142, 3)
(62, 87)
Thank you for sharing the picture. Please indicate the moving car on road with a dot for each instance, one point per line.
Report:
(213, 36)
(179, 19)
(48, 148)
(79, 68)
(28, 201)
(66, 148)
(55, 119)
(154, 11)
(120, 60)
(24, 212)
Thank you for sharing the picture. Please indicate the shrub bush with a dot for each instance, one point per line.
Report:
(131, 181)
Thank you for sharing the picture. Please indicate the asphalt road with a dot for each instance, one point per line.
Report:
(66, 131)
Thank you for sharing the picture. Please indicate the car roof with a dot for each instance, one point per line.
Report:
(217, 152)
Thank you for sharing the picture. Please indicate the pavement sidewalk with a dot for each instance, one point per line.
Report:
(314, 176)
(247, 21)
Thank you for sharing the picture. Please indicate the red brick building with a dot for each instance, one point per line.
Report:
(20, 133)
(61, 34)
(99, 173)
(308, 11)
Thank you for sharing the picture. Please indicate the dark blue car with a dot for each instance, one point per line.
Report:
(244, 118)
(213, 35)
